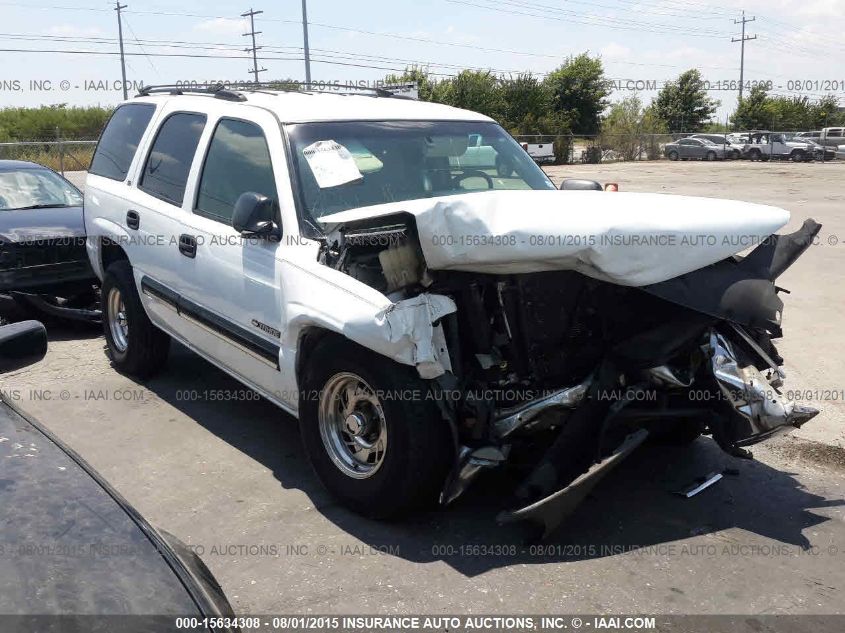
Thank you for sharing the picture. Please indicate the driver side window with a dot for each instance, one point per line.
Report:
(238, 160)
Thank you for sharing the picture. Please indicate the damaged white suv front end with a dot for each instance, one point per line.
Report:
(566, 326)
(403, 278)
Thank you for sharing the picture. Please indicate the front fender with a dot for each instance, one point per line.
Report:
(406, 331)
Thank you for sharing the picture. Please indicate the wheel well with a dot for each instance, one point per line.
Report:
(111, 252)
(309, 340)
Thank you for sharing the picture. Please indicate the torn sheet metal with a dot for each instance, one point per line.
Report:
(761, 410)
(416, 319)
(632, 239)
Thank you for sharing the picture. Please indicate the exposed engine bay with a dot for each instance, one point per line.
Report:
(585, 368)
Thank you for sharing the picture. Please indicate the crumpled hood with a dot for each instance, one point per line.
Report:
(35, 225)
(631, 239)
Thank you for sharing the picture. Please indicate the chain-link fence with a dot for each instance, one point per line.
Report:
(599, 148)
(66, 155)
(633, 146)
(59, 154)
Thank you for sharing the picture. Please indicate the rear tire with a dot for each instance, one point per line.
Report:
(711, 156)
(408, 446)
(136, 346)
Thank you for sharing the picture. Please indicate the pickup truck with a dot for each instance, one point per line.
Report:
(774, 146)
(427, 320)
(540, 152)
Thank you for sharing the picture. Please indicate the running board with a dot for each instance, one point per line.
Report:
(550, 512)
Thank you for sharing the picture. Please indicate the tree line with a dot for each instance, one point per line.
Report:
(46, 122)
(572, 100)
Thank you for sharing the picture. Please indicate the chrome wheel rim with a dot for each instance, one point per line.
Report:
(352, 425)
(118, 323)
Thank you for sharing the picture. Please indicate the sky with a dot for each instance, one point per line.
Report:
(799, 48)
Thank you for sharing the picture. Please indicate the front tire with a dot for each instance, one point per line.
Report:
(673, 155)
(381, 456)
(136, 346)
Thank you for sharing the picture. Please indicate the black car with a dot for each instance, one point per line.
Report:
(43, 260)
(72, 547)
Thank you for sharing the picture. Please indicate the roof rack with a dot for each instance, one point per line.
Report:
(220, 91)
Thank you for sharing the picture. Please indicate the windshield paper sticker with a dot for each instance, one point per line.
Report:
(331, 163)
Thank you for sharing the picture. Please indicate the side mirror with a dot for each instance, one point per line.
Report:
(578, 184)
(22, 344)
(255, 215)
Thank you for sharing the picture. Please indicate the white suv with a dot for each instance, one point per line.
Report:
(426, 319)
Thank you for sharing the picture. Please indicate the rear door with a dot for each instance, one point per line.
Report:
(158, 201)
(687, 148)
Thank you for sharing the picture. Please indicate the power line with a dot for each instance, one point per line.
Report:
(119, 7)
(743, 40)
(252, 33)
(541, 12)
(305, 43)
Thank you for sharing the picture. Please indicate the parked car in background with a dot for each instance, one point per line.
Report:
(819, 152)
(814, 136)
(832, 136)
(43, 262)
(738, 139)
(733, 150)
(694, 149)
(540, 152)
(72, 545)
(764, 145)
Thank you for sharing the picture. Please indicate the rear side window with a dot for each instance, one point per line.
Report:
(835, 133)
(238, 161)
(166, 172)
(119, 141)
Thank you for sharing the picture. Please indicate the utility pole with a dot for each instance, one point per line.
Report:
(743, 39)
(119, 7)
(305, 44)
(252, 33)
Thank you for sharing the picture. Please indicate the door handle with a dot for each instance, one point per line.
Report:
(188, 245)
(133, 220)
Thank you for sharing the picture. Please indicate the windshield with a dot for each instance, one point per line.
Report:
(28, 188)
(345, 165)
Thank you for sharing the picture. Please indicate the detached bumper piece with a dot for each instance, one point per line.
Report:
(549, 512)
(754, 408)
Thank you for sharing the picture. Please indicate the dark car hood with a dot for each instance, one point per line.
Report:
(70, 544)
(28, 225)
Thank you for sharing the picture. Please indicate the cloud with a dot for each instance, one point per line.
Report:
(821, 9)
(71, 30)
(615, 51)
(222, 26)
